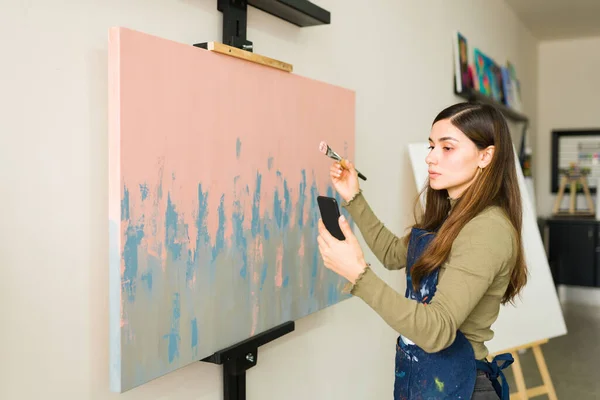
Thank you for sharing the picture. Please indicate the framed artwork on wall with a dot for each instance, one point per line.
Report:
(579, 146)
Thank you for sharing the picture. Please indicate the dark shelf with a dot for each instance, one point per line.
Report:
(509, 113)
(298, 12)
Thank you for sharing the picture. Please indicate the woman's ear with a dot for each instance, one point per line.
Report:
(486, 156)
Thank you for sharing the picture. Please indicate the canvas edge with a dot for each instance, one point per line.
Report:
(114, 210)
(117, 383)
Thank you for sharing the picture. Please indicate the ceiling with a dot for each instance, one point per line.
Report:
(559, 19)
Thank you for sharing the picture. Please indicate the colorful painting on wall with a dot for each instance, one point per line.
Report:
(214, 172)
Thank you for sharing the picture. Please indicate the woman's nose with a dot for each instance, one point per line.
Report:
(430, 159)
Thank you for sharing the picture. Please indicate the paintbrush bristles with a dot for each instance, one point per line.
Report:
(325, 149)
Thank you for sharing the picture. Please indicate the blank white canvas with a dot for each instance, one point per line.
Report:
(536, 314)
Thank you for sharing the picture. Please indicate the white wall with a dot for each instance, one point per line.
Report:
(569, 98)
(397, 55)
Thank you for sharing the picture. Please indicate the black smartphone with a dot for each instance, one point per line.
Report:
(330, 214)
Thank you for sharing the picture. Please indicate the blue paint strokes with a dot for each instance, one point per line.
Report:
(171, 219)
(194, 333)
(201, 224)
(286, 223)
(173, 335)
(301, 197)
(190, 266)
(288, 205)
(314, 209)
(322, 288)
(255, 223)
(277, 209)
(330, 191)
(263, 274)
(202, 237)
(270, 163)
(238, 234)
(133, 237)
(147, 277)
(125, 205)
(144, 191)
(238, 148)
(220, 239)
(313, 224)
(401, 374)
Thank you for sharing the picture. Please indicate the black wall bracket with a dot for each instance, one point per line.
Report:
(298, 12)
(237, 359)
(234, 23)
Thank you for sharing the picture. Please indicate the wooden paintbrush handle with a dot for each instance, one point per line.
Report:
(343, 162)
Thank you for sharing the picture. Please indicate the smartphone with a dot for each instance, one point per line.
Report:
(330, 214)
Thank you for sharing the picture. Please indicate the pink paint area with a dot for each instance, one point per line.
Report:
(301, 257)
(177, 131)
(279, 267)
(258, 256)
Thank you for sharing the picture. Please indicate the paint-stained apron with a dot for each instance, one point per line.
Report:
(447, 374)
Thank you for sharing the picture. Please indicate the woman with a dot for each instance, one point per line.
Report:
(463, 258)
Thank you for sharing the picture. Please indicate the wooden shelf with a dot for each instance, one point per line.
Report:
(245, 55)
(508, 112)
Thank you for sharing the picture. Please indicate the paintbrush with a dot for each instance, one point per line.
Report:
(325, 149)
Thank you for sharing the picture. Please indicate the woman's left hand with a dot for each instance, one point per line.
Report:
(344, 257)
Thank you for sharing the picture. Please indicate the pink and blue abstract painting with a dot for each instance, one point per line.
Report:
(214, 173)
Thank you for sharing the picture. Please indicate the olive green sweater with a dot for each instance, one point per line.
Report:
(470, 287)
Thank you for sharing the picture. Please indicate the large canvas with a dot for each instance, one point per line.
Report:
(214, 174)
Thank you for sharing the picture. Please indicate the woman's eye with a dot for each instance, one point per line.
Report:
(447, 148)
(430, 147)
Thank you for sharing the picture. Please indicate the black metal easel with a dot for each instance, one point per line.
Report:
(237, 359)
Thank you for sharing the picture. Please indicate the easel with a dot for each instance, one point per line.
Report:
(522, 392)
(237, 359)
(572, 177)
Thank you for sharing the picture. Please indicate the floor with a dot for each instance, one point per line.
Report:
(573, 360)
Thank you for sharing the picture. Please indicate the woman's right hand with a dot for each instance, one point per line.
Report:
(345, 181)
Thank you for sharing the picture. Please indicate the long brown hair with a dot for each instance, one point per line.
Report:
(497, 184)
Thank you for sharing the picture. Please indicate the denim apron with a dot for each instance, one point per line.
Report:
(447, 374)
